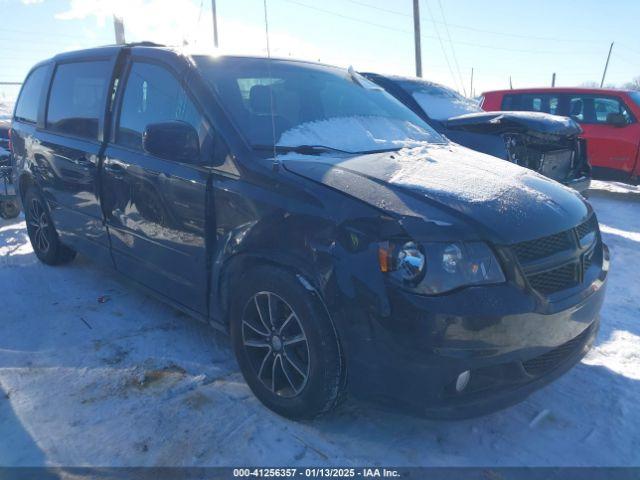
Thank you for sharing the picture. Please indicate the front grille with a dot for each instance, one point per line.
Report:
(543, 247)
(548, 361)
(565, 275)
(587, 227)
(555, 280)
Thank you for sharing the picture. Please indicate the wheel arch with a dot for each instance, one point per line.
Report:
(236, 266)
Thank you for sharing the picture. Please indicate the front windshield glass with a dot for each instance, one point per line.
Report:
(309, 104)
(439, 102)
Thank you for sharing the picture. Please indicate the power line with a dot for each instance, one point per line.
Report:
(476, 45)
(475, 29)
(453, 50)
(444, 51)
(26, 32)
(347, 17)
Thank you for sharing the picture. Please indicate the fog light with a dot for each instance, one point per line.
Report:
(463, 381)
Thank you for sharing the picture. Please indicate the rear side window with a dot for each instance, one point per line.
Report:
(77, 98)
(532, 102)
(27, 107)
(153, 95)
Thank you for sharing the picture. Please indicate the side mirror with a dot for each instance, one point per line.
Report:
(177, 141)
(616, 120)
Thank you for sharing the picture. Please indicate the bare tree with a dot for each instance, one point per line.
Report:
(633, 84)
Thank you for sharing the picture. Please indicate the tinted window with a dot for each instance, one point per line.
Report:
(27, 107)
(532, 102)
(76, 102)
(596, 109)
(153, 95)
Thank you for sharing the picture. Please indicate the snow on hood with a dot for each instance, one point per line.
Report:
(441, 106)
(514, 203)
(450, 171)
(359, 134)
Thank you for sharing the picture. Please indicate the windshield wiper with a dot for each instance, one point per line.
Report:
(303, 149)
(317, 149)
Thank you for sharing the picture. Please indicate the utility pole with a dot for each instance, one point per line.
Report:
(510, 83)
(553, 79)
(215, 23)
(416, 36)
(471, 87)
(606, 65)
(118, 26)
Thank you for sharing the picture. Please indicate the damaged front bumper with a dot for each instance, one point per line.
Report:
(509, 343)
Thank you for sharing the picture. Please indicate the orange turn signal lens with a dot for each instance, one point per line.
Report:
(384, 256)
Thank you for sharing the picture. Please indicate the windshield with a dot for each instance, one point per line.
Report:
(439, 102)
(311, 105)
(635, 96)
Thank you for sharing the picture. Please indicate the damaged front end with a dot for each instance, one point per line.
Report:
(547, 144)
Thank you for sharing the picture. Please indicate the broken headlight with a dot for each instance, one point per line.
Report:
(438, 267)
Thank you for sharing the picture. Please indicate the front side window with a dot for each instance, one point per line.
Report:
(595, 109)
(77, 98)
(297, 103)
(153, 95)
(27, 106)
(437, 101)
(532, 102)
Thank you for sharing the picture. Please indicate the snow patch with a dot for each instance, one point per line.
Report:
(6, 109)
(359, 134)
(620, 354)
(442, 107)
(614, 187)
(451, 171)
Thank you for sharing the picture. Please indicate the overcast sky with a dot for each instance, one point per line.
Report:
(526, 39)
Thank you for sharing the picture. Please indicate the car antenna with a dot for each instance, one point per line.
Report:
(276, 162)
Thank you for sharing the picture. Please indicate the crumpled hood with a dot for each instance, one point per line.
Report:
(504, 201)
(496, 122)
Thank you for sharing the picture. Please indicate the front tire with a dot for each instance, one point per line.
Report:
(286, 345)
(42, 233)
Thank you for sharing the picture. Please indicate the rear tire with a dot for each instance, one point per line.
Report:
(286, 345)
(42, 233)
(9, 209)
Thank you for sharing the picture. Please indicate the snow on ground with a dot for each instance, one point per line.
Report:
(6, 109)
(93, 372)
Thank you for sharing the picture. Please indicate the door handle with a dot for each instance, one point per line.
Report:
(114, 169)
(82, 162)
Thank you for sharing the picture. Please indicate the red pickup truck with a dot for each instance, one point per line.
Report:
(610, 120)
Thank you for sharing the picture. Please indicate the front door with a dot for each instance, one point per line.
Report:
(610, 149)
(156, 207)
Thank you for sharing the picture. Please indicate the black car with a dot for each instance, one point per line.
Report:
(548, 144)
(344, 244)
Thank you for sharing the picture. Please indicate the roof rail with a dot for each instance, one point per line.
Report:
(144, 44)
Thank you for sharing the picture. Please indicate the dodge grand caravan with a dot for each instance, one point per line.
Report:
(344, 244)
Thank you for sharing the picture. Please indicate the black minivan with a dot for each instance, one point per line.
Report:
(344, 244)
